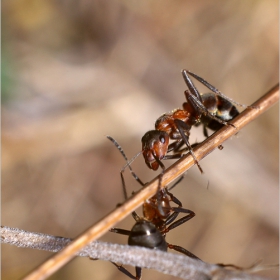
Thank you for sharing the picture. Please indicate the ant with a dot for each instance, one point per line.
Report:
(158, 218)
(213, 110)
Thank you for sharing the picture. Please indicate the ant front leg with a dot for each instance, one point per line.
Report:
(177, 210)
(180, 153)
(183, 130)
(175, 146)
(171, 218)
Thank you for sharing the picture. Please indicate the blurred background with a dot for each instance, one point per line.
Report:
(76, 71)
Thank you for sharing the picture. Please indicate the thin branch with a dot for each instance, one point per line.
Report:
(98, 229)
(168, 263)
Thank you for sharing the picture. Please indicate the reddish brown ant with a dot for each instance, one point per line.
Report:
(158, 218)
(213, 110)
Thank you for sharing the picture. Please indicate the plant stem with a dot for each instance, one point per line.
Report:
(177, 169)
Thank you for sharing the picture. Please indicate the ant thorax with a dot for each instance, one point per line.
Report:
(151, 210)
(166, 121)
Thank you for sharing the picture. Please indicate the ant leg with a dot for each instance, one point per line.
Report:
(120, 267)
(230, 266)
(180, 153)
(177, 210)
(120, 231)
(124, 187)
(160, 208)
(172, 197)
(194, 98)
(175, 184)
(125, 271)
(171, 218)
(138, 271)
(176, 156)
(183, 127)
(198, 106)
(205, 132)
(175, 146)
(135, 216)
(181, 221)
(165, 192)
(191, 86)
(183, 251)
(251, 268)
(212, 88)
(178, 146)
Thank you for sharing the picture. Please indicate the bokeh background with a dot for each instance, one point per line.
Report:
(76, 71)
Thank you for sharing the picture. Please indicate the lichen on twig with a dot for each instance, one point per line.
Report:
(168, 263)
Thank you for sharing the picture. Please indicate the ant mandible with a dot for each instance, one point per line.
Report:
(158, 218)
(213, 110)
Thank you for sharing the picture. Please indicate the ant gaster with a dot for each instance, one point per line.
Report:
(158, 218)
(213, 110)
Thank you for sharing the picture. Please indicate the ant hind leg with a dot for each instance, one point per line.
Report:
(127, 273)
(215, 90)
(183, 251)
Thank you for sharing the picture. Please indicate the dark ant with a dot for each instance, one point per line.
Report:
(158, 218)
(212, 110)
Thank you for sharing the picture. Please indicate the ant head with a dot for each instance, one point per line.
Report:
(154, 147)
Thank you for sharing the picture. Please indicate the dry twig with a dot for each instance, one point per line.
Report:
(177, 169)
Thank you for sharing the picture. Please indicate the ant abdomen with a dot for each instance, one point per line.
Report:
(145, 234)
(220, 108)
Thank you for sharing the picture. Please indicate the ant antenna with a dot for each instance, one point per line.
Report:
(132, 172)
(128, 162)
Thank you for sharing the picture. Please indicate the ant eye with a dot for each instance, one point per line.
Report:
(162, 139)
